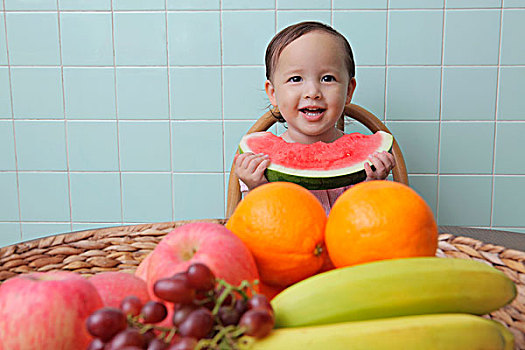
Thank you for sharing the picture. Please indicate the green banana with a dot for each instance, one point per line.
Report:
(422, 332)
(391, 288)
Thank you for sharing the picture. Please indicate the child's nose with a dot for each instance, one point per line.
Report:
(312, 90)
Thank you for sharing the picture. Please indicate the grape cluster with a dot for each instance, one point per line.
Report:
(208, 313)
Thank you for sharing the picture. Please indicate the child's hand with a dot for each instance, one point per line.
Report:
(383, 163)
(250, 167)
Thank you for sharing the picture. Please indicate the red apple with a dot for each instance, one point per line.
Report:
(142, 269)
(46, 311)
(208, 243)
(113, 286)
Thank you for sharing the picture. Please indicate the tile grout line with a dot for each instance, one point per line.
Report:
(387, 29)
(17, 175)
(440, 119)
(496, 110)
(221, 55)
(170, 121)
(65, 117)
(117, 113)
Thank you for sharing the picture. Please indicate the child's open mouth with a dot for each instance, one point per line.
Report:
(312, 113)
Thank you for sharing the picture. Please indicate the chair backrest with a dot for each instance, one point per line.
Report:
(353, 111)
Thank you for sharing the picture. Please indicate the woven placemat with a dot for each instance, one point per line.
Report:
(123, 248)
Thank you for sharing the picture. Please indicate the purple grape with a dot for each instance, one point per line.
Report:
(153, 312)
(106, 322)
(257, 323)
(200, 277)
(197, 324)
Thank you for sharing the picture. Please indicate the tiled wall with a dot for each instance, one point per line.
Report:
(129, 111)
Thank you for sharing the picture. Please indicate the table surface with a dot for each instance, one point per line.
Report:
(511, 240)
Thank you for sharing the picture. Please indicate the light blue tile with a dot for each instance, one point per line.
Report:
(244, 95)
(145, 145)
(244, 5)
(95, 48)
(304, 4)
(366, 32)
(416, 4)
(7, 145)
(139, 5)
(286, 18)
(3, 46)
(352, 126)
(471, 37)
(511, 103)
(407, 46)
(473, 3)
(509, 143)
(188, 91)
(93, 225)
(419, 143)
(147, 197)
(193, 5)
(513, 3)
(142, 93)
(508, 201)
(9, 197)
(512, 43)
(466, 148)
(359, 4)
(44, 197)
(95, 197)
(84, 4)
(35, 230)
(197, 146)
(370, 90)
(468, 93)
(92, 146)
(41, 145)
(32, 5)
(413, 93)
(241, 46)
(426, 187)
(194, 38)
(140, 38)
(33, 38)
(5, 94)
(37, 92)
(511, 229)
(89, 93)
(464, 200)
(198, 196)
(9, 233)
(234, 130)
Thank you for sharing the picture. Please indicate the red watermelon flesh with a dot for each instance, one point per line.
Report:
(319, 165)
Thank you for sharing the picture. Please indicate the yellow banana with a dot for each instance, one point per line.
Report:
(390, 288)
(422, 332)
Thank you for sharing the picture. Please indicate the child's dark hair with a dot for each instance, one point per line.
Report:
(289, 34)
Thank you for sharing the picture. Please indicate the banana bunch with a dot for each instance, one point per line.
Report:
(412, 303)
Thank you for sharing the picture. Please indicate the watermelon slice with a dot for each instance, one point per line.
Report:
(318, 166)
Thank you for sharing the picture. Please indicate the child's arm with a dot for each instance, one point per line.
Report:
(250, 168)
(383, 163)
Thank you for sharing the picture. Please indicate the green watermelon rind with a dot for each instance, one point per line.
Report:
(321, 179)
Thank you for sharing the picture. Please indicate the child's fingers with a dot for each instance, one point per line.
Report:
(259, 171)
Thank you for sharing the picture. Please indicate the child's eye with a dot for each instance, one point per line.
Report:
(328, 78)
(295, 79)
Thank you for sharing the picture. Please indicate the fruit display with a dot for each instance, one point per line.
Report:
(319, 165)
(378, 220)
(46, 311)
(282, 224)
(422, 332)
(394, 287)
(209, 313)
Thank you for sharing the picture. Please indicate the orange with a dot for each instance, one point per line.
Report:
(283, 226)
(379, 220)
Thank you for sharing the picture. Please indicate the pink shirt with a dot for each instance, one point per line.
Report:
(326, 197)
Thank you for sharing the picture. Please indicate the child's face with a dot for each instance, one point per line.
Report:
(311, 86)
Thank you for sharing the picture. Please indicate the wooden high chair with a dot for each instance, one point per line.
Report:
(353, 111)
